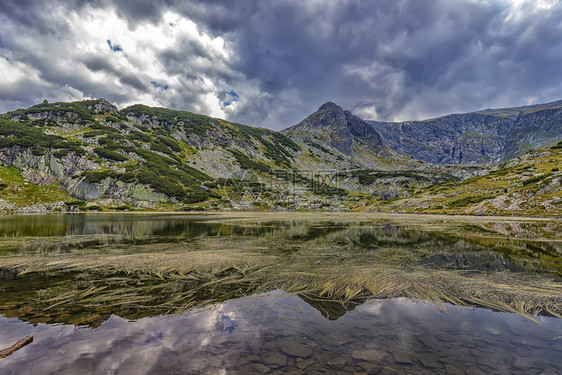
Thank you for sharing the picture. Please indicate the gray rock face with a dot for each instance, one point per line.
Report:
(389, 194)
(116, 190)
(487, 136)
(45, 169)
(105, 105)
(339, 128)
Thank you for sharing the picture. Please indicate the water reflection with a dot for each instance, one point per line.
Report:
(278, 333)
(517, 246)
(222, 277)
(125, 226)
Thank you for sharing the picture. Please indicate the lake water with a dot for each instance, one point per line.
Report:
(280, 293)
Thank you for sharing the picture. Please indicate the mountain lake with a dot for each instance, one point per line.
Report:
(280, 293)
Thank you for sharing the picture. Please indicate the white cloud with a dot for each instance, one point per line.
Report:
(123, 74)
(14, 72)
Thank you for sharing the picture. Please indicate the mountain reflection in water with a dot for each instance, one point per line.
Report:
(279, 332)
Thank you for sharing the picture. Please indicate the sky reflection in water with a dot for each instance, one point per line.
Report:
(271, 330)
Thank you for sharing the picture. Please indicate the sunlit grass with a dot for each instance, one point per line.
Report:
(19, 193)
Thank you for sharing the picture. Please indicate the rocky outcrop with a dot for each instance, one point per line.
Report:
(129, 193)
(104, 105)
(45, 169)
(389, 194)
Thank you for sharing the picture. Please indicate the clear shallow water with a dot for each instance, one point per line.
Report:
(277, 333)
(226, 318)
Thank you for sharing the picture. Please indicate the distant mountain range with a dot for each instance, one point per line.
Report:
(483, 137)
(90, 155)
(487, 136)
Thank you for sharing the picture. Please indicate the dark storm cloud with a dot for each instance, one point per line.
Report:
(190, 58)
(26, 12)
(100, 64)
(133, 81)
(384, 59)
(434, 49)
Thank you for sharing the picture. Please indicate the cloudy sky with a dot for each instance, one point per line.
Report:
(271, 63)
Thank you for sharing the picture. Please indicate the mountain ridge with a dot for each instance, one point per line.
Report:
(487, 136)
(345, 127)
(89, 155)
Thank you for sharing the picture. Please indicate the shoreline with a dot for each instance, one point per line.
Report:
(286, 215)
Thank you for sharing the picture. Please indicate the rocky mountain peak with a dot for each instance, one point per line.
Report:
(331, 117)
(340, 128)
(330, 106)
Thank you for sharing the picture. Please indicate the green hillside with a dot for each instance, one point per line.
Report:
(528, 185)
(153, 156)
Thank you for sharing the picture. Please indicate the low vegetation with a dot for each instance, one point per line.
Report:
(17, 193)
(367, 177)
(469, 199)
(108, 154)
(74, 111)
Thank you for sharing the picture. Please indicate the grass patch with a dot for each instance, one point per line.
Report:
(536, 178)
(557, 146)
(248, 163)
(469, 199)
(14, 189)
(99, 176)
(109, 154)
(318, 146)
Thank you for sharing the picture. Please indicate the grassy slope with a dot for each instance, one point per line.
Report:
(528, 185)
(140, 144)
(15, 190)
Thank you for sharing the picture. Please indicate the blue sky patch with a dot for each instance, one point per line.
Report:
(159, 86)
(229, 98)
(234, 94)
(114, 47)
